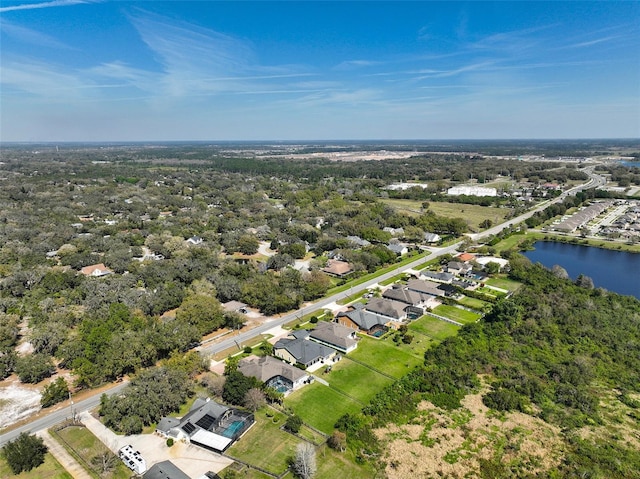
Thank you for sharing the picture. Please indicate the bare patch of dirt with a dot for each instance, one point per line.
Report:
(17, 402)
(453, 443)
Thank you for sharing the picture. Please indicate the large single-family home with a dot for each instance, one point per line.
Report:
(274, 373)
(398, 248)
(431, 237)
(440, 276)
(359, 242)
(96, 270)
(404, 295)
(335, 336)
(208, 424)
(387, 307)
(298, 349)
(337, 268)
(429, 288)
(458, 268)
(366, 321)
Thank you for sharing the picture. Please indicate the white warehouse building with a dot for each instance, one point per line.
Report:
(472, 191)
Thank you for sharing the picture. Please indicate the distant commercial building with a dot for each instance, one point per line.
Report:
(472, 191)
(405, 186)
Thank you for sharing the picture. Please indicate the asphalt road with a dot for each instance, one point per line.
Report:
(57, 416)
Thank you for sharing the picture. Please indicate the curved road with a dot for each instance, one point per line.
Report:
(57, 416)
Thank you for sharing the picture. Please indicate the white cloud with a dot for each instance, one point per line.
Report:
(33, 6)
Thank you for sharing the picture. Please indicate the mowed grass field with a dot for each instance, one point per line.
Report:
(393, 359)
(50, 469)
(264, 436)
(433, 328)
(356, 380)
(461, 315)
(320, 406)
(473, 214)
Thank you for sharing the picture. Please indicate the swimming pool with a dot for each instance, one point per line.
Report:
(233, 428)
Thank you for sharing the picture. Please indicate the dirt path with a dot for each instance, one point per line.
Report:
(63, 457)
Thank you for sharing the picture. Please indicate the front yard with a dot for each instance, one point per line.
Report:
(50, 469)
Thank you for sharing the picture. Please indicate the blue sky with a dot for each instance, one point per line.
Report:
(73, 70)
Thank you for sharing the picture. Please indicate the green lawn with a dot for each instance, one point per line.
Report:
(50, 469)
(320, 406)
(332, 464)
(386, 356)
(265, 445)
(356, 380)
(434, 328)
(504, 282)
(474, 303)
(457, 314)
(83, 446)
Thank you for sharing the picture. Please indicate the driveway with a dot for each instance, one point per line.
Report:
(193, 460)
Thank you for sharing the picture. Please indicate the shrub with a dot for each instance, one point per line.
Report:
(293, 424)
(170, 442)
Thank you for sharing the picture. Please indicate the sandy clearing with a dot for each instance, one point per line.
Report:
(17, 402)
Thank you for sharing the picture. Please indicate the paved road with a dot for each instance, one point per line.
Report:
(58, 416)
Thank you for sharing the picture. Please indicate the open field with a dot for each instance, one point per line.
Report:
(504, 282)
(386, 356)
(473, 214)
(356, 380)
(50, 469)
(433, 328)
(320, 406)
(333, 464)
(265, 445)
(457, 314)
(474, 303)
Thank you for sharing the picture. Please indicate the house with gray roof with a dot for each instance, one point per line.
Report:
(335, 336)
(274, 373)
(366, 321)
(298, 349)
(208, 424)
(387, 307)
(440, 277)
(398, 248)
(404, 295)
(425, 287)
(357, 241)
(165, 470)
(458, 268)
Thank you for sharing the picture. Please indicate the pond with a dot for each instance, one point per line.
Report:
(617, 271)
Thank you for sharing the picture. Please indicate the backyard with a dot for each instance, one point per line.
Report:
(321, 406)
(266, 435)
(393, 359)
(433, 328)
(457, 314)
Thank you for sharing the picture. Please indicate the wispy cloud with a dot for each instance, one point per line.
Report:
(33, 37)
(590, 43)
(33, 6)
(352, 64)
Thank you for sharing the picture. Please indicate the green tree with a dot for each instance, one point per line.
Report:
(293, 424)
(203, 312)
(24, 453)
(54, 392)
(34, 368)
